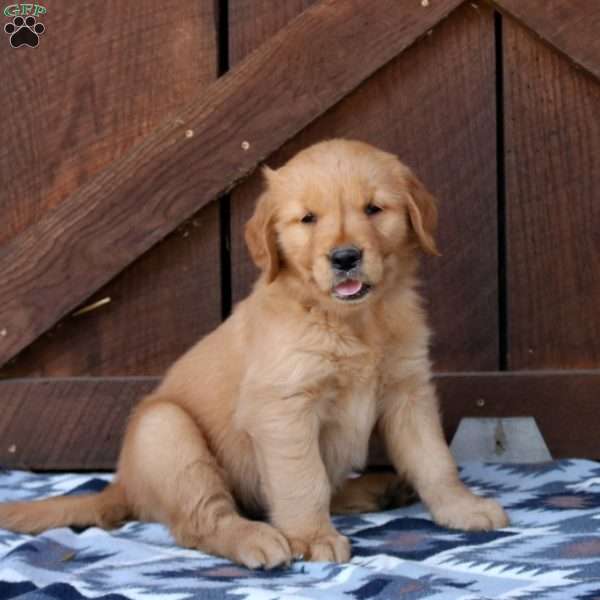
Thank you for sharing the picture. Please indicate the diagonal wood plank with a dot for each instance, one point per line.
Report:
(73, 117)
(220, 137)
(570, 26)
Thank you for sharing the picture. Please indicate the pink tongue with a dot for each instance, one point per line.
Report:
(348, 287)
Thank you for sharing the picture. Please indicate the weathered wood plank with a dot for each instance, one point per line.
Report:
(55, 264)
(434, 106)
(104, 75)
(63, 424)
(563, 403)
(570, 26)
(552, 139)
(159, 307)
(251, 23)
(60, 424)
(88, 112)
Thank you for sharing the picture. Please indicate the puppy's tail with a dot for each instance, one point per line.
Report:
(106, 509)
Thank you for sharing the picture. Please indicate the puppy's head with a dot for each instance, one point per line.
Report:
(343, 218)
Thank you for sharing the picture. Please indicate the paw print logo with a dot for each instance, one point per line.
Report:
(24, 32)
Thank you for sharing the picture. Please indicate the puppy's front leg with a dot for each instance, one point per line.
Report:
(411, 427)
(298, 491)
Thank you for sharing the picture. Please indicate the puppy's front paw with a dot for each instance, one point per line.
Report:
(260, 546)
(470, 512)
(330, 547)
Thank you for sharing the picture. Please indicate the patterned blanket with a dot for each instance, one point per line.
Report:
(552, 550)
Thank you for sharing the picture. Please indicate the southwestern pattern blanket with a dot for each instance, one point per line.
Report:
(551, 550)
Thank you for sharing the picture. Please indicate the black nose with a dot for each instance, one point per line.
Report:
(345, 258)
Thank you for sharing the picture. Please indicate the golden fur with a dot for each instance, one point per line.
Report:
(273, 410)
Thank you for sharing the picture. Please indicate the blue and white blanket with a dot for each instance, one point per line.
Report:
(551, 550)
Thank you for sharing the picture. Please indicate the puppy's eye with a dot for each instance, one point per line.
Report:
(309, 218)
(372, 209)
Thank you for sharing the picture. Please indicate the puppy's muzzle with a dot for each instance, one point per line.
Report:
(349, 284)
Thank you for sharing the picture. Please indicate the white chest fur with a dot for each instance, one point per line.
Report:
(340, 373)
(346, 431)
(347, 407)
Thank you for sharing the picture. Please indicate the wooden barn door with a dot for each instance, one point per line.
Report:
(104, 76)
(77, 106)
(117, 255)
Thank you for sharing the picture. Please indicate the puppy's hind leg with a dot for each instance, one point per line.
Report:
(372, 492)
(171, 476)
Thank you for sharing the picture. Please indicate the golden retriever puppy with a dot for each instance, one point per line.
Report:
(273, 410)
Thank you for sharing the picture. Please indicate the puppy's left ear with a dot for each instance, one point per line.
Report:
(423, 214)
(260, 234)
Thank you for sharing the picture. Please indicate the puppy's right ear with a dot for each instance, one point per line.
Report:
(260, 234)
(423, 213)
